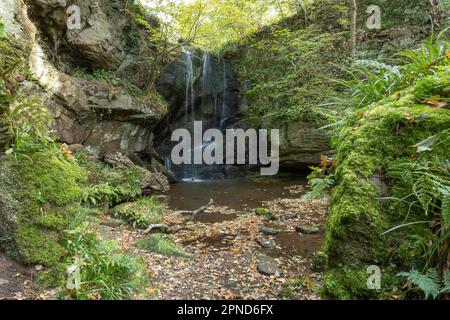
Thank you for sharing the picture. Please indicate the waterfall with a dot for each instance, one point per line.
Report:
(189, 105)
(189, 80)
(224, 113)
(206, 72)
(206, 99)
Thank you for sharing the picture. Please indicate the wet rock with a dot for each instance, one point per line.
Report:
(117, 159)
(155, 182)
(268, 231)
(266, 243)
(307, 229)
(289, 216)
(268, 266)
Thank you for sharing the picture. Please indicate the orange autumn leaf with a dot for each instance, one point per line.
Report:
(323, 162)
(435, 102)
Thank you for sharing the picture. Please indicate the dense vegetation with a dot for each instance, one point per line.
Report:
(387, 108)
(392, 179)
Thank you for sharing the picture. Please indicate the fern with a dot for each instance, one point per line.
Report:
(429, 282)
(445, 207)
(446, 288)
(320, 187)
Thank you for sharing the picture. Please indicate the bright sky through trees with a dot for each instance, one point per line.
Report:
(211, 23)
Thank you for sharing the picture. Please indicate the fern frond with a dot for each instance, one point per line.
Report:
(445, 208)
(429, 282)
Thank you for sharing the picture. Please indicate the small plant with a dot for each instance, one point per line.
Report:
(108, 186)
(369, 84)
(321, 179)
(429, 194)
(28, 125)
(429, 282)
(97, 270)
(97, 74)
(262, 212)
(102, 194)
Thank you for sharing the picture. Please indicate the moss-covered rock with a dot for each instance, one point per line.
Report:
(373, 140)
(141, 213)
(161, 244)
(39, 198)
(11, 64)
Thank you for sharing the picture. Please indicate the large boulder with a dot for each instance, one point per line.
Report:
(105, 116)
(377, 163)
(39, 198)
(302, 143)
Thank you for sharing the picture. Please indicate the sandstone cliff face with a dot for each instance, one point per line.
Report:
(105, 116)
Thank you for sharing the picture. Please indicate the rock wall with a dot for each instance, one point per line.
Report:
(105, 116)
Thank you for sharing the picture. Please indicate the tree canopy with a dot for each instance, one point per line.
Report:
(211, 23)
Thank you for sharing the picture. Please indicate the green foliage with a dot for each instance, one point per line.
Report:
(376, 81)
(262, 212)
(11, 67)
(428, 188)
(40, 194)
(321, 179)
(385, 148)
(161, 244)
(102, 194)
(140, 214)
(97, 74)
(429, 283)
(97, 270)
(108, 186)
(320, 188)
(210, 24)
(296, 286)
(289, 68)
(28, 125)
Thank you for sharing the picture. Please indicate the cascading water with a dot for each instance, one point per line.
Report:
(224, 111)
(189, 106)
(189, 80)
(207, 98)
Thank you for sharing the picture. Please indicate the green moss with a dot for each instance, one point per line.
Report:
(110, 185)
(161, 244)
(372, 140)
(350, 282)
(262, 212)
(12, 64)
(141, 213)
(52, 277)
(42, 191)
(292, 287)
(38, 245)
(289, 68)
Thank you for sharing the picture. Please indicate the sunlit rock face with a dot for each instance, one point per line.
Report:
(104, 117)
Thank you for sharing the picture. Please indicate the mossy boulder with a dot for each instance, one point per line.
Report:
(39, 198)
(161, 244)
(141, 213)
(373, 140)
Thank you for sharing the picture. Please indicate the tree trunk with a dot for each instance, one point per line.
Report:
(353, 8)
